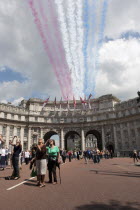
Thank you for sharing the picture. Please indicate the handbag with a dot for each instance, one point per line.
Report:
(33, 172)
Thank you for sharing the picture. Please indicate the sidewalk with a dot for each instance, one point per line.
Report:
(112, 184)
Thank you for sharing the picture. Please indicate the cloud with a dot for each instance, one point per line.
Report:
(119, 70)
(22, 51)
(122, 16)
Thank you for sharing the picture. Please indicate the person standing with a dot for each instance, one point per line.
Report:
(135, 156)
(86, 156)
(41, 165)
(27, 156)
(3, 159)
(69, 155)
(64, 155)
(53, 158)
(1, 144)
(6, 155)
(15, 157)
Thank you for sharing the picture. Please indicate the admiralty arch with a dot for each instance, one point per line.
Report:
(113, 123)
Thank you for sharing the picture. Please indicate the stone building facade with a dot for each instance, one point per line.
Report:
(114, 124)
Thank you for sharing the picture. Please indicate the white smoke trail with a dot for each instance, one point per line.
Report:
(64, 31)
(72, 29)
(66, 42)
(80, 37)
(48, 14)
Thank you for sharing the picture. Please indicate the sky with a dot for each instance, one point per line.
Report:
(25, 69)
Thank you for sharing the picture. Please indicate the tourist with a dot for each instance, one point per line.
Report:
(78, 155)
(40, 163)
(27, 156)
(1, 143)
(3, 159)
(53, 160)
(135, 156)
(69, 155)
(6, 155)
(15, 157)
(64, 155)
(86, 156)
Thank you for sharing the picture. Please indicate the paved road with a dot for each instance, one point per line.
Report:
(112, 184)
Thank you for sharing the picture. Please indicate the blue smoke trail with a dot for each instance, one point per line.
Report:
(91, 46)
(85, 41)
(101, 31)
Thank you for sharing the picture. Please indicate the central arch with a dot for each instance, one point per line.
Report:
(98, 136)
(75, 139)
(49, 134)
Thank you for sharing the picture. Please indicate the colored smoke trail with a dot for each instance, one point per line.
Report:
(66, 37)
(61, 52)
(52, 31)
(90, 74)
(45, 43)
(71, 24)
(85, 41)
(80, 37)
(101, 32)
(68, 30)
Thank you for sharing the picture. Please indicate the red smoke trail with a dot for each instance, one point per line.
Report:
(56, 43)
(46, 46)
(59, 43)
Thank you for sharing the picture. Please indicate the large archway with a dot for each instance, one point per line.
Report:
(72, 141)
(52, 134)
(110, 147)
(96, 135)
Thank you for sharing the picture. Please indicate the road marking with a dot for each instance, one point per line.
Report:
(20, 184)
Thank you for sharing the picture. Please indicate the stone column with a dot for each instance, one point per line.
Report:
(129, 136)
(1, 129)
(122, 136)
(29, 138)
(136, 136)
(62, 139)
(115, 140)
(41, 133)
(22, 136)
(15, 131)
(83, 140)
(103, 138)
(7, 135)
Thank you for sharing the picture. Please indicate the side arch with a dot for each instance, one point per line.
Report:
(97, 134)
(72, 134)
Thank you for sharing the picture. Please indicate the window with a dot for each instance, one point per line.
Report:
(12, 116)
(4, 131)
(25, 132)
(18, 132)
(5, 115)
(11, 131)
(36, 119)
(19, 117)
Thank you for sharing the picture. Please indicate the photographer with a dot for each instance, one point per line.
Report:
(15, 158)
(53, 159)
(1, 144)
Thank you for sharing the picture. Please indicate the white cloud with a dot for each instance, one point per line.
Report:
(17, 101)
(22, 51)
(119, 71)
(122, 15)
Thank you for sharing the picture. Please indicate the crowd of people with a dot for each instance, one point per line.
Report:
(43, 156)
